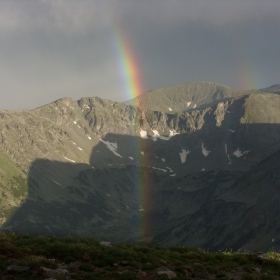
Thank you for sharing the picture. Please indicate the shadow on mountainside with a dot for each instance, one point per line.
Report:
(124, 194)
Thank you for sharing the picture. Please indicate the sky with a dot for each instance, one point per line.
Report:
(54, 49)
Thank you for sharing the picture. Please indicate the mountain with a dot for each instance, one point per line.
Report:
(193, 95)
(205, 176)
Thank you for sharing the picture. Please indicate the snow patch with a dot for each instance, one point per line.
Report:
(69, 159)
(156, 135)
(80, 148)
(75, 122)
(229, 161)
(112, 147)
(169, 109)
(159, 169)
(203, 169)
(189, 103)
(239, 154)
(163, 159)
(89, 137)
(108, 194)
(205, 152)
(74, 143)
(170, 170)
(56, 183)
(231, 130)
(183, 155)
(141, 209)
(172, 133)
(143, 134)
(172, 175)
(142, 153)
(131, 158)
(194, 106)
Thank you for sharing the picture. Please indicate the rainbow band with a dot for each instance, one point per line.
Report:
(131, 78)
(128, 66)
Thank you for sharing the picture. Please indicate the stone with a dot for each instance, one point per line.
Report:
(236, 278)
(104, 243)
(141, 274)
(17, 269)
(124, 263)
(58, 274)
(162, 268)
(169, 274)
(189, 268)
(74, 266)
(257, 270)
(198, 274)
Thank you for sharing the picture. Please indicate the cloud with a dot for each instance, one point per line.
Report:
(53, 48)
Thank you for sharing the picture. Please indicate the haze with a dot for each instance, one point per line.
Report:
(54, 49)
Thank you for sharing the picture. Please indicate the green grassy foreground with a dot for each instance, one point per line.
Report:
(86, 258)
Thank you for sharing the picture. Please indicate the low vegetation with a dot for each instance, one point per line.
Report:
(86, 258)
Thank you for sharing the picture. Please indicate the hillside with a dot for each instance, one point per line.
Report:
(98, 168)
(193, 95)
(26, 257)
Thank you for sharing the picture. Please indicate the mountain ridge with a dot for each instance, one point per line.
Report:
(73, 159)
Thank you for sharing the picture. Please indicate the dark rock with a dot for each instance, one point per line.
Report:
(141, 274)
(198, 274)
(17, 269)
(124, 263)
(162, 268)
(169, 274)
(58, 274)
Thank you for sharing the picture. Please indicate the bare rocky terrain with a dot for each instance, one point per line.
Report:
(203, 173)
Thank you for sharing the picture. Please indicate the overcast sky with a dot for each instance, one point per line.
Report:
(54, 49)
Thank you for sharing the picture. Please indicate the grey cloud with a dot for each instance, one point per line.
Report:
(55, 48)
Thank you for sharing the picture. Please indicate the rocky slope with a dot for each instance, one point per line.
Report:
(111, 170)
(193, 95)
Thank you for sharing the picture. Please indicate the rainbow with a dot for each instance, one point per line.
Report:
(128, 66)
(130, 75)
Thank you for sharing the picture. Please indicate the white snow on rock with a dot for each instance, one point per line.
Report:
(172, 175)
(159, 169)
(172, 133)
(142, 153)
(56, 183)
(194, 106)
(75, 122)
(203, 169)
(239, 154)
(157, 135)
(74, 143)
(108, 194)
(163, 159)
(205, 152)
(69, 159)
(231, 130)
(169, 109)
(131, 158)
(79, 126)
(80, 148)
(89, 137)
(141, 209)
(183, 155)
(112, 147)
(229, 161)
(170, 170)
(189, 103)
(143, 134)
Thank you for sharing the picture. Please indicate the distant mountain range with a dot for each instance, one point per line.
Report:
(198, 164)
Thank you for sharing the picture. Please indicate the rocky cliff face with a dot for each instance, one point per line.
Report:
(101, 168)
